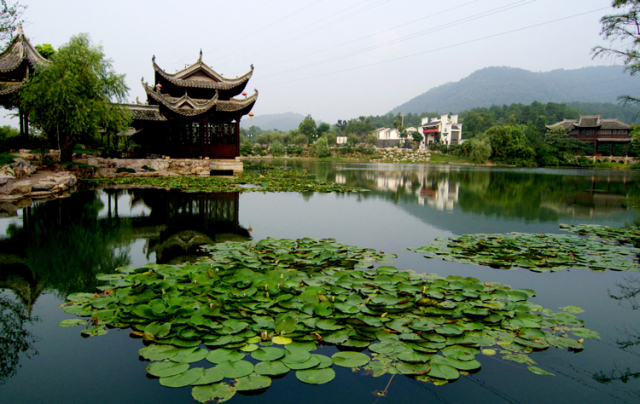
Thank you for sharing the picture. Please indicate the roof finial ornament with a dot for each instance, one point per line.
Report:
(153, 59)
(251, 66)
(200, 59)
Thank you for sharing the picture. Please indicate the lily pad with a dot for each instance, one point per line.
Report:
(350, 359)
(222, 355)
(253, 382)
(166, 369)
(268, 354)
(269, 368)
(218, 391)
(316, 376)
(234, 370)
(183, 379)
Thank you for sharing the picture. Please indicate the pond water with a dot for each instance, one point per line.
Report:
(55, 248)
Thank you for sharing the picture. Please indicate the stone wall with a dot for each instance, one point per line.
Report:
(111, 168)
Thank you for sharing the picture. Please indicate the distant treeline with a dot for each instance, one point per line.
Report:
(478, 120)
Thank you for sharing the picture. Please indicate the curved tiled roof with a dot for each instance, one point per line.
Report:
(215, 81)
(184, 105)
(19, 50)
(235, 104)
(590, 122)
(142, 112)
(10, 87)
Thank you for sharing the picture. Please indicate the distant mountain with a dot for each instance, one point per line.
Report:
(507, 85)
(283, 122)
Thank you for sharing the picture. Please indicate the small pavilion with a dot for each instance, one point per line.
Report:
(17, 62)
(193, 113)
(594, 129)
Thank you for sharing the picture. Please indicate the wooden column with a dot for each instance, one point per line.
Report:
(237, 130)
(610, 149)
(595, 148)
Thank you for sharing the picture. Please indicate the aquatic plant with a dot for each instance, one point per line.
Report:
(260, 309)
(605, 248)
(270, 181)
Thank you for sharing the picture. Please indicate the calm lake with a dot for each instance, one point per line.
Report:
(56, 248)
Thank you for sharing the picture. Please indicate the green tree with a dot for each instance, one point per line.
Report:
(332, 139)
(277, 148)
(10, 14)
(623, 28)
(322, 147)
(322, 129)
(253, 131)
(45, 50)
(417, 137)
(371, 139)
(300, 140)
(70, 99)
(308, 128)
(480, 150)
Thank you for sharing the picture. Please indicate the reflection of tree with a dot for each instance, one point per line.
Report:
(65, 245)
(616, 375)
(15, 339)
(628, 292)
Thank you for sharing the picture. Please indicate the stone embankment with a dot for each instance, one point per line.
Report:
(112, 168)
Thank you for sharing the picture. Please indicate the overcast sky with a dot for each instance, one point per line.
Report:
(334, 59)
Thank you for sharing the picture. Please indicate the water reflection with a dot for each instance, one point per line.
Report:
(64, 244)
(16, 339)
(545, 195)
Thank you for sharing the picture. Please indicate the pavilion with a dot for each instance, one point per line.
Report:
(192, 113)
(17, 62)
(594, 129)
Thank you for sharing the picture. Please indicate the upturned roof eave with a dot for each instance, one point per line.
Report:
(219, 82)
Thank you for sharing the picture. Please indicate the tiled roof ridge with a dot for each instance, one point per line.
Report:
(235, 104)
(18, 50)
(176, 106)
(222, 83)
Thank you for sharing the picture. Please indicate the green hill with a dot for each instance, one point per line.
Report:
(507, 85)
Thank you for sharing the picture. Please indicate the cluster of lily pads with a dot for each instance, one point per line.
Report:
(605, 248)
(260, 309)
(270, 181)
(609, 235)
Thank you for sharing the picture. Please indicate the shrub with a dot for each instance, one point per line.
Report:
(323, 147)
(277, 148)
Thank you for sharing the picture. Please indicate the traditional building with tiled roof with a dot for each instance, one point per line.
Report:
(17, 62)
(594, 129)
(192, 113)
(444, 130)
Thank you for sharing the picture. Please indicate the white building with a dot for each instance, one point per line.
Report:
(445, 130)
(341, 139)
(388, 134)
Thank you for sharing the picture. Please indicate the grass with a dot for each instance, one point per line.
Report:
(6, 158)
(612, 166)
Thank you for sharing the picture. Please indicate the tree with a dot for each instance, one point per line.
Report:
(45, 50)
(323, 147)
(371, 139)
(417, 137)
(308, 128)
(480, 150)
(623, 27)
(322, 129)
(332, 139)
(300, 140)
(10, 14)
(71, 98)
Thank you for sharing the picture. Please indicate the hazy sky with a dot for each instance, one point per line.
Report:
(332, 59)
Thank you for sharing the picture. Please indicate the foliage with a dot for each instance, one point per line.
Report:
(304, 294)
(623, 27)
(246, 147)
(272, 181)
(308, 128)
(371, 139)
(125, 170)
(322, 147)
(10, 14)
(322, 129)
(542, 252)
(70, 99)
(6, 159)
(416, 136)
(300, 140)
(277, 148)
(480, 150)
(331, 137)
(45, 50)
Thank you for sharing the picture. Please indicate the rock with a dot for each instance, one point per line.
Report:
(92, 162)
(4, 179)
(7, 171)
(22, 187)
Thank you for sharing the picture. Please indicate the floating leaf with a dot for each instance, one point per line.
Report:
(268, 354)
(539, 371)
(350, 359)
(268, 368)
(158, 352)
(183, 379)
(71, 322)
(223, 355)
(234, 370)
(253, 382)
(316, 376)
(165, 369)
(218, 391)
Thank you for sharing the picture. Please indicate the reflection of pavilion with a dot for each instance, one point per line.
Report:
(180, 223)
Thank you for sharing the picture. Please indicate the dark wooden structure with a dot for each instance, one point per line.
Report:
(17, 62)
(594, 129)
(192, 113)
